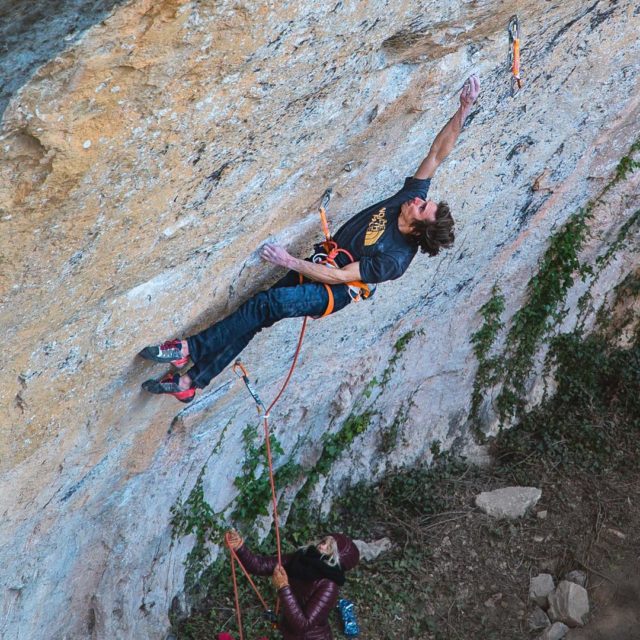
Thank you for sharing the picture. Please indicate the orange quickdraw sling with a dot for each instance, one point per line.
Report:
(514, 54)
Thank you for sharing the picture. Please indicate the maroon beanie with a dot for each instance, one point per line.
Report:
(347, 550)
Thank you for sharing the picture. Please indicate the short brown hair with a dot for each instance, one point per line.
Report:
(432, 236)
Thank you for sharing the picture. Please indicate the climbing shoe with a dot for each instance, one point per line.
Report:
(169, 351)
(169, 384)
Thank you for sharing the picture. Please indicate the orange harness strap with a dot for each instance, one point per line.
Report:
(330, 302)
(358, 290)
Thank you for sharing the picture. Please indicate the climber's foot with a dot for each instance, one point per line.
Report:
(172, 351)
(170, 384)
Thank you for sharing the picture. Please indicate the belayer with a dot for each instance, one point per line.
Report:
(381, 240)
(308, 582)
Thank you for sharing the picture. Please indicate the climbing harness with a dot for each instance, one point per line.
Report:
(514, 54)
(358, 290)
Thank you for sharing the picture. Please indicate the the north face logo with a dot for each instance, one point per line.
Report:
(377, 225)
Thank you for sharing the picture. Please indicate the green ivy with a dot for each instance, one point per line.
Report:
(489, 368)
(546, 292)
(628, 164)
(254, 486)
(195, 517)
(593, 419)
(336, 444)
(400, 345)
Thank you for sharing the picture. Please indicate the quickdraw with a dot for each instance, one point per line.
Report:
(514, 54)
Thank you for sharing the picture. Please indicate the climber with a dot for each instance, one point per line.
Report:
(308, 582)
(382, 239)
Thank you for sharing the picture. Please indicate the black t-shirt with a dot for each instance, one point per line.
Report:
(373, 239)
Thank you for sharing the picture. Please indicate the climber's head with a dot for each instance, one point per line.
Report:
(328, 547)
(337, 550)
(347, 551)
(429, 224)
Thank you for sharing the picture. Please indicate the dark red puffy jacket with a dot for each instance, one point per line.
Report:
(306, 605)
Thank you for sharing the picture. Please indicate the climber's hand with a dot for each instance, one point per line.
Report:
(234, 539)
(275, 254)
(279, 578)
(470, 92)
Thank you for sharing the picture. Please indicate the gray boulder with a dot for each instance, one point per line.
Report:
(569, 603)
(539, 589)
(538, 619)
(579, 577)
(556, 631)
(510, 502)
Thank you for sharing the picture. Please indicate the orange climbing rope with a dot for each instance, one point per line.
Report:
(238, 366)
(362, 289)
(240, 370)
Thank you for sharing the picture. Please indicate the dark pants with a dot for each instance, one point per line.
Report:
(214, 348)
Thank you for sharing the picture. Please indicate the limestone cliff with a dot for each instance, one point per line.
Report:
(145, 161)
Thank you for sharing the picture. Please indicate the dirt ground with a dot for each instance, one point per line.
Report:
(616, 601)
(460, 574)
(474, 571)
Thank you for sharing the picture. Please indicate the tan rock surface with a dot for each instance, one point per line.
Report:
(143, 166)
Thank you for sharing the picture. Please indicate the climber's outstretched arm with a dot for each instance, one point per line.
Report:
(443, 144)
(318, 272)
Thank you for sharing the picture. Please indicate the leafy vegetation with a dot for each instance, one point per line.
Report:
(195, 517)
(400, 345)
(543, 309)
(489, 367)
(546, 293)
(254, 485)
(336, 444)
(593, 419)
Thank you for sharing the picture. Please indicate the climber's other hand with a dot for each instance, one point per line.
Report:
(470, 92)
(275, 254)
(279, 578)
(234, 539)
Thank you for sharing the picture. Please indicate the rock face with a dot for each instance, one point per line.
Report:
(509, 502)
(142, 165)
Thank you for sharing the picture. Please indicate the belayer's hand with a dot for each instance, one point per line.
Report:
(275, 254)
(280, 578)
(234, 539)
(470, 92)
